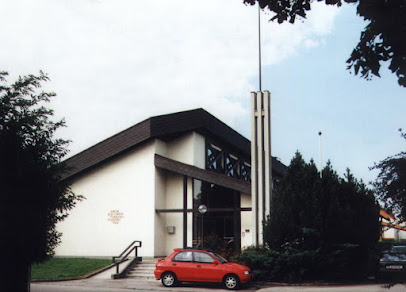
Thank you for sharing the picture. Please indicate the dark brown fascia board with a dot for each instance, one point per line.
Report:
(202, 174)
(202, 122)
(108, 148)
(161, 127)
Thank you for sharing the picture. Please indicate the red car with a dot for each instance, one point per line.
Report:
(198, 265)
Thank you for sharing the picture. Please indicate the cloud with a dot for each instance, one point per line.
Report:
(282, 41)
(310, 44)
(115, 63)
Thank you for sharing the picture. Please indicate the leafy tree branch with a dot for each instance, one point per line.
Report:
(33, 199)
(382, 40)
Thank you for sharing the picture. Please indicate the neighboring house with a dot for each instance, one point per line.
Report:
(391, 229)
(146, 183)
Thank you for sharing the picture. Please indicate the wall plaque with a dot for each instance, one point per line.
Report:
(115, 216)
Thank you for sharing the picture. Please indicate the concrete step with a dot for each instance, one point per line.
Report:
(145, 278)
(145, 273)
(143, 270)
(145, 266)
(141, 276)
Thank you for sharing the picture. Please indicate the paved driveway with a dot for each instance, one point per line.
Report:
(347, 288)
(103, 283)
(97, 285)
(61, 288)
(92, 285)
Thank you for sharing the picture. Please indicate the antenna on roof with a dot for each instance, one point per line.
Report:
(259, 45)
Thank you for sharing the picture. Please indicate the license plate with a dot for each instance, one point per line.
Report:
(394, 267)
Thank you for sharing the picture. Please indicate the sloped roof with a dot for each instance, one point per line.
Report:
(165, 128)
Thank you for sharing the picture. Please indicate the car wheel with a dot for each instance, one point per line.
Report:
(231, 282)
(168, 279)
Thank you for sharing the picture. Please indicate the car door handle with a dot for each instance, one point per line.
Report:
(198, 266)
(173, 264)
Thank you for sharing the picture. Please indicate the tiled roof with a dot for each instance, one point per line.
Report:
(164, 127)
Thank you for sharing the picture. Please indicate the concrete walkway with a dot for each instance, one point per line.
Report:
(106, 275)
(346, 288)
(96, 285)
(103, 282)
(102, 285)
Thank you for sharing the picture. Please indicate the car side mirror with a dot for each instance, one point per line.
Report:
(215, 262)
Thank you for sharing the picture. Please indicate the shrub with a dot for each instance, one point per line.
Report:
(333, 263)
(218, 245)
(269, 265)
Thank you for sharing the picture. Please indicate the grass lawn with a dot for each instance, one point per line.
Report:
(66, 268)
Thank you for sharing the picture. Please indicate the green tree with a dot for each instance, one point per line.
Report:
(382, 39)
(290, 209)
(32, 196)
(390, 185)
(335, 219)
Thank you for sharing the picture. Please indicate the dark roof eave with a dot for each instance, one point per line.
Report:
(161, 127)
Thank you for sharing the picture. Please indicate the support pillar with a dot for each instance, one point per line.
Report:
(184, 211)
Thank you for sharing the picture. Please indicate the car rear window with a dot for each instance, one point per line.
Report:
(183, 256)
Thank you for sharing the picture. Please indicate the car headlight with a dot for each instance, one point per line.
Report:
(246, 272)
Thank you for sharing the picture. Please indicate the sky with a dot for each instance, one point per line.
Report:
(113, 64)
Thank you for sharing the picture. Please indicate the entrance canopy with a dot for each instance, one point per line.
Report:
(202, 174)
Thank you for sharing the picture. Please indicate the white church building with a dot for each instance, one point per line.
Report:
(147, 182)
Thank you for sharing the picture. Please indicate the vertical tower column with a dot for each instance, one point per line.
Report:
(261, 162)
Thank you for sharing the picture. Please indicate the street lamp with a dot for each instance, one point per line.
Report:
(321, 163)
(202, 209)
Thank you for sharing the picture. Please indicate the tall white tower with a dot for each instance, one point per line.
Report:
(261, 161)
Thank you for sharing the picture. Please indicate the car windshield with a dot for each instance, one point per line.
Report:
(221, 259)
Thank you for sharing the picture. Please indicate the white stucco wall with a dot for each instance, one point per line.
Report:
(394, 234)
(189, 149)
(125, 184)
(401, 235)
(132, 186)
(174, 200)
(160, 203)
(160, 219)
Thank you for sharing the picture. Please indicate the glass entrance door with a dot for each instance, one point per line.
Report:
(223, 217)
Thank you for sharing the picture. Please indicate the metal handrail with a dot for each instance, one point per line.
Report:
(133, 246)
